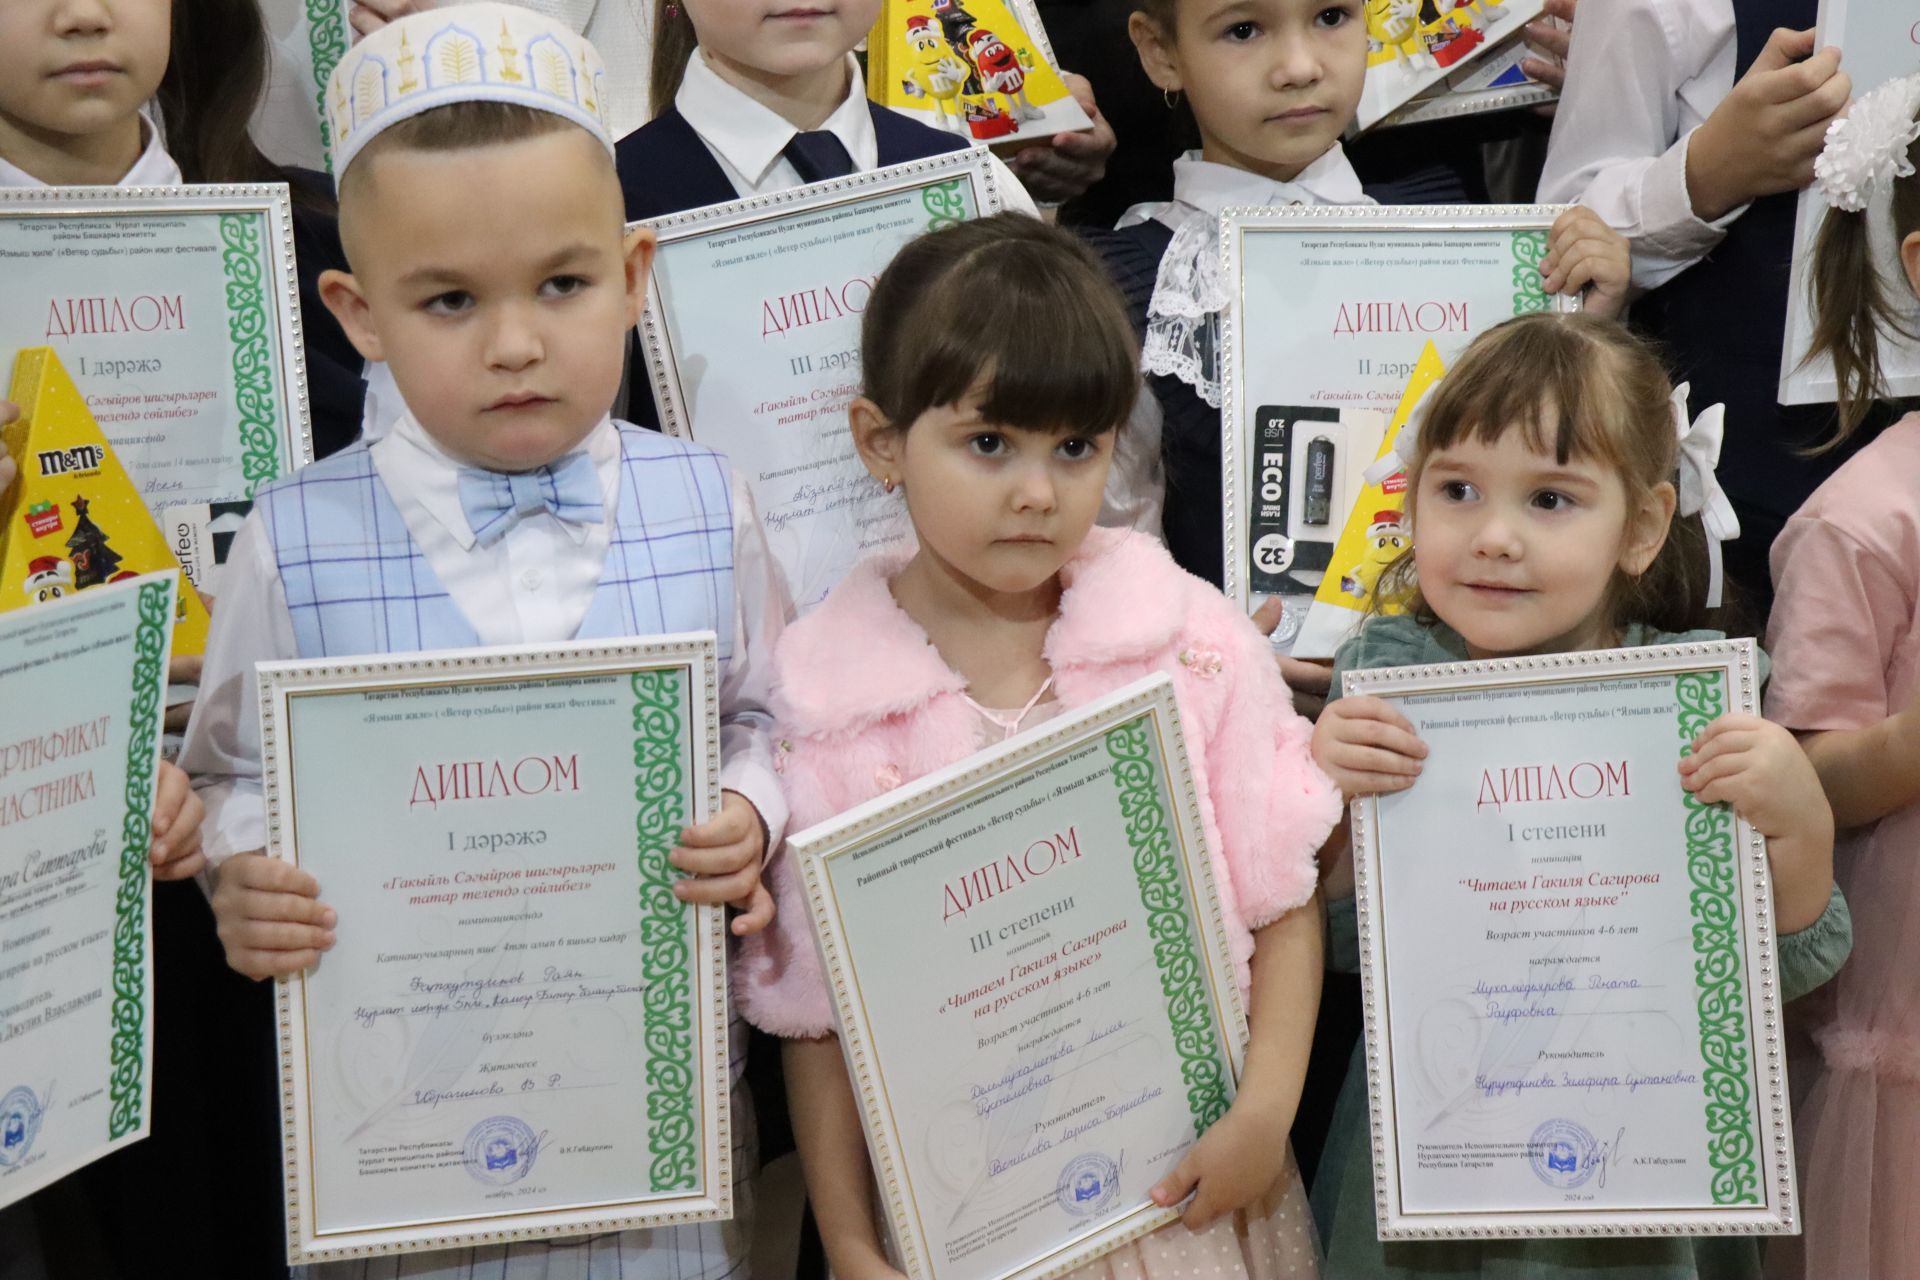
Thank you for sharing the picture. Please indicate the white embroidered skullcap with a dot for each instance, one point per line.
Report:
(464, 53)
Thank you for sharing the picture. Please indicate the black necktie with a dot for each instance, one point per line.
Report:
(818, 156)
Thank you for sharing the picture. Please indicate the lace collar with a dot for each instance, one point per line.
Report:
(1191, 289)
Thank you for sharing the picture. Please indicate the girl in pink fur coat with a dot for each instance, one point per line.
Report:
(1015, 608)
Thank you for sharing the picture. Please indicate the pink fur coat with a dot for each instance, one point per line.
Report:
(865, 703)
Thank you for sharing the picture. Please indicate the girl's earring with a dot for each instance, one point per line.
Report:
(886, 482)
(1172, 97)
(673, 11)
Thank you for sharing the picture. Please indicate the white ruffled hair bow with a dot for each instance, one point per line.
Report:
(1866, 149)
(1700, 491)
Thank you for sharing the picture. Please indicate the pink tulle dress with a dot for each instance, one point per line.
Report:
(1845, 639)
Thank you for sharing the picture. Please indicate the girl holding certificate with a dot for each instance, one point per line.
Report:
(1845, 635)
(1273, 86)
(1546, 524)
(1014, 609)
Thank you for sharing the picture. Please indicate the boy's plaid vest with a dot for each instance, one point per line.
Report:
(356, 583)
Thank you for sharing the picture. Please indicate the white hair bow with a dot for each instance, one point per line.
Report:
(1866, 149)
(1700, 491)
(1396, 459)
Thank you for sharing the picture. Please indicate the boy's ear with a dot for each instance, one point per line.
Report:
(341, 292)
(639, 249)
(1647, 530)
(1910, 259)
(879, 443)
(1156, 51)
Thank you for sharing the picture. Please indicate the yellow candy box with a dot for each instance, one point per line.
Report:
(73, 518)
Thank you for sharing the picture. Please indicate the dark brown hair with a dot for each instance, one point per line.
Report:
(216, 72)
(1851, 304)
(673, 45)
(1574, 386)
(1009, 300)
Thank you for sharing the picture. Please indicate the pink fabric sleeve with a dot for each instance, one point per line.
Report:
(1838, 614)
(1272, 819)
(778, 980)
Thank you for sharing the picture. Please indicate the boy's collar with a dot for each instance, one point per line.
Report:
(433, 474)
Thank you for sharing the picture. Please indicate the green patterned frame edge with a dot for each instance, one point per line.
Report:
(127, 1057)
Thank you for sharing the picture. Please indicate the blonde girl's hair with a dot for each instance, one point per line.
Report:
(673, 45)
(1574, 386)
(1853, 309)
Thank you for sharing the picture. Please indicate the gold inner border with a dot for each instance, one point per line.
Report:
(615, 674)
(1203, 936)
(1771, 1206)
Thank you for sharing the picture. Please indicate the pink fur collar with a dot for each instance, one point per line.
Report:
(859, 658)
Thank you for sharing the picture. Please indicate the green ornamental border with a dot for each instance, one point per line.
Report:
(327, 38)
(1727, 1074)
(1529, 287)
(253, 365)
(1196, 1034)
(667, 962)
(945, 205)
(126, 1057)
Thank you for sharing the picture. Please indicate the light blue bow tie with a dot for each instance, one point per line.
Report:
(494, 501)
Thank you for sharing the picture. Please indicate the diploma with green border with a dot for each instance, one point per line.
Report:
(1034, 991)
(80, 679)
(520, 1032)
(1572, 1009)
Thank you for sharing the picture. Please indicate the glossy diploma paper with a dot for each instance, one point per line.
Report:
(176, 312)
(80, 680)
(520, 1031)
(1034, 991)
(1329, 311)
(1572, 1018)
(752, 339)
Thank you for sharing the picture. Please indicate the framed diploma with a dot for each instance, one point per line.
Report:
(520, 1032)
(1035, 996)
(1879, 42)
(177, 313)
(1329, 310)
(1572, 1015)
(81, 679)
(752, 342)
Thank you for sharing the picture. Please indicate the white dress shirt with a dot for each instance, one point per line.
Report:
(1642, 75)
(748, 138)
(532, 586)
(153, 168)
(1204, 187)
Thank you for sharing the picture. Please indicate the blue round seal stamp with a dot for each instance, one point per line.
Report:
(1563, 1154)
(1088, 1185)
(20, 1113)
(501, 1150)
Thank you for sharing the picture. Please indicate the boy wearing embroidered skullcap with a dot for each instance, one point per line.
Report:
(483, 223)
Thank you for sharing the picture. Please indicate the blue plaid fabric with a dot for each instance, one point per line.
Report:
(356, 583)
(494, 501)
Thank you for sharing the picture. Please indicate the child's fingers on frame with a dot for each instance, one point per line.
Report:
(1385, 734)
(261, 965)
(721, 861)
(1377, 762)
(269, 936)
(264, 905)
(728, 826)
(757, 914)
(184, 867)
(713, 889)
